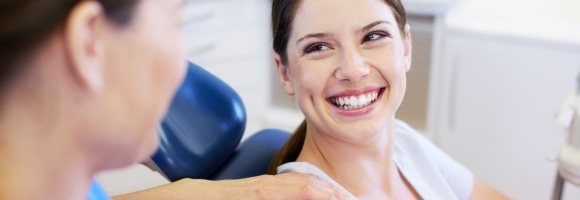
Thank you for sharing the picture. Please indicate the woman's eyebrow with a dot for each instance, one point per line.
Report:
(371, 25)
(313, 35)
(364, 29)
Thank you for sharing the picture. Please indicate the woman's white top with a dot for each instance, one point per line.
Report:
(431, 172)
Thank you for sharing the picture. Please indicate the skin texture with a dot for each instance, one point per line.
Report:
(266, 187)
(345, 48)
(345, 63)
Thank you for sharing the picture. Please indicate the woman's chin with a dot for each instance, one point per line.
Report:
(138, 151)
(149, 146)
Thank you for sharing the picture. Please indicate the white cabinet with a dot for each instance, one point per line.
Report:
(231, 39)
(493, 100)
(498, 108)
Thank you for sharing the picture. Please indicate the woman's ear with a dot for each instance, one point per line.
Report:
(408, 47)
(283, 72)
(84, 50)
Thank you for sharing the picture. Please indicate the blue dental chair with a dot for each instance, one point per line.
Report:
(200, 135)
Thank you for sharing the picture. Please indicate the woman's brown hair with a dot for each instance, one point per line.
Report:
(24, 24)
(283, 12)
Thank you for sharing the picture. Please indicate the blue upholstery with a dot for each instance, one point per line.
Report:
(253, 156)
(200, 134)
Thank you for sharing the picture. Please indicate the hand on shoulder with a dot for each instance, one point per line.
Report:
(294, 186)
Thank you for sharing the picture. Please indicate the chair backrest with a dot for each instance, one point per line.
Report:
(203, 127)
(200, 134)
(253, 156)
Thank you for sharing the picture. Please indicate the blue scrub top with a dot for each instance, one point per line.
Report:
(97, 192)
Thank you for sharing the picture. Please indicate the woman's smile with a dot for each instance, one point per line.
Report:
(355, 102)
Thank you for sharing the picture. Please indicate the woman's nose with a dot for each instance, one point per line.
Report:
(353, 67)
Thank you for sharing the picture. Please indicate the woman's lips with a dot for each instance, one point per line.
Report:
(352, 101)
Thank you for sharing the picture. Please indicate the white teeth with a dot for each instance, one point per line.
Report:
(355, 102)
(362, 100)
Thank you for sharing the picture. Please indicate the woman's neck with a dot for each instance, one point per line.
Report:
(39, 160)
(364, 169)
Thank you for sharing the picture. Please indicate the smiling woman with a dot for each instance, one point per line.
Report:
(345, 61)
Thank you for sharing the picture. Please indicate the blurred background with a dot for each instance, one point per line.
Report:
(486, 81)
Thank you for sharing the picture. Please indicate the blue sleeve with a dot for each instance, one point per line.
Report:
(97, 192)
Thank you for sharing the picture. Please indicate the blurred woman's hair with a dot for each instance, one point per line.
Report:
(25, 24)
(283, 13)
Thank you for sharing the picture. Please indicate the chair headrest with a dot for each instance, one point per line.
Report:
(202, 128)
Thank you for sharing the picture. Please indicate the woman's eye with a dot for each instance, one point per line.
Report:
(316, 47)
(375, 35)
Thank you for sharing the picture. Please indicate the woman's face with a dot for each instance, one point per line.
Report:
(347, 64)
(144, 63)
